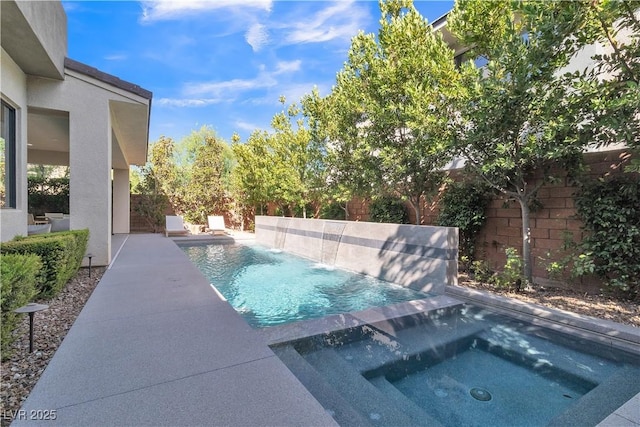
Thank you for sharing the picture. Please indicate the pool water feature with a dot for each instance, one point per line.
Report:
(271, 287)
(461, 365)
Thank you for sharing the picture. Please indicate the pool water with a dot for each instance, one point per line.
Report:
(269, 287)
(461, 365)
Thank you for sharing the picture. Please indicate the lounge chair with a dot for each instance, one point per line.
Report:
(216, 224)
(54, 215)
(174, 225)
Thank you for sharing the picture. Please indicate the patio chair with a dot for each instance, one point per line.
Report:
(174, 225)
(216, 224)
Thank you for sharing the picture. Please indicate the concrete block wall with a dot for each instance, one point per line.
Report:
(137, 223)
(550, 225)
(421, 257)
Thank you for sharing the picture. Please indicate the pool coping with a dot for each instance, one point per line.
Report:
(616, 335)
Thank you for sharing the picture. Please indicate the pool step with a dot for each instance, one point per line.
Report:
(360, 393)
(408, 407)
(529, 350)
(329, 398)
(416, 343)
(603, 400)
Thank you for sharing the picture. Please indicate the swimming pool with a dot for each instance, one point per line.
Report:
(461, 365)
(270, 287)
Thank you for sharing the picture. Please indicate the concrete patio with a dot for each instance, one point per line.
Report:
(156, 345)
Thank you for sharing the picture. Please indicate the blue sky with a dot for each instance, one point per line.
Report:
(221, 63)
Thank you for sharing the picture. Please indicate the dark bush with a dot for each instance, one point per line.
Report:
(332, 211)
(388, 209)
(610, 210)
(18, 275)
(463, 205)
(48, 195)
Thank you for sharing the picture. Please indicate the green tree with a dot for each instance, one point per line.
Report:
(304, 155)
(285, 167)
(251, 178)
(345, 171)
(392, 102)
(206, 193)
(520, 121)
(152, 203)
(136, 175)
(194, 174)
(166, 172)
(609, 92)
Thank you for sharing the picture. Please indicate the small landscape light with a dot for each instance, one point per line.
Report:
(31, 308)
(89, 255)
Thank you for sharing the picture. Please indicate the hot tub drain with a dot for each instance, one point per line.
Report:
(480, 394)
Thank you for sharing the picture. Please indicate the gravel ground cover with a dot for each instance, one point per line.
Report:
(602, 306)
(21, 371)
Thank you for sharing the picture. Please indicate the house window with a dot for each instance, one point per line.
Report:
(8, 157)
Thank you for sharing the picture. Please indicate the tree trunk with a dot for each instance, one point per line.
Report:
(416, 208)
(345, 208)
(526, 240)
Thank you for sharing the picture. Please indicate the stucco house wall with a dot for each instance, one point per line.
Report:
(13, 86)
(104, 123)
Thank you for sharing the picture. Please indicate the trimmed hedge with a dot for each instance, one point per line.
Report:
(81, 238)
(18, 275)
(59, 255)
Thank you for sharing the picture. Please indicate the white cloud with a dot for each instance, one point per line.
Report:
(257, 36)
(187, 102)
(230, 89)
(157, 10)
(341, 20)
(287, 67)
(116, 57)
(241, 124)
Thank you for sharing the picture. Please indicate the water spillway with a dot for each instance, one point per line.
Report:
(424, 258)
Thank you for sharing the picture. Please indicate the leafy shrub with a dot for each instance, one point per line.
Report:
(332, 211)
(511, 275)
(611, 248)
(48, 194)
(481, 271)
(57, 252)
(18, 275)
(388, 209)
(463, 205)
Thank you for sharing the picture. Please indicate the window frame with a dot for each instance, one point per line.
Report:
(8, 133)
